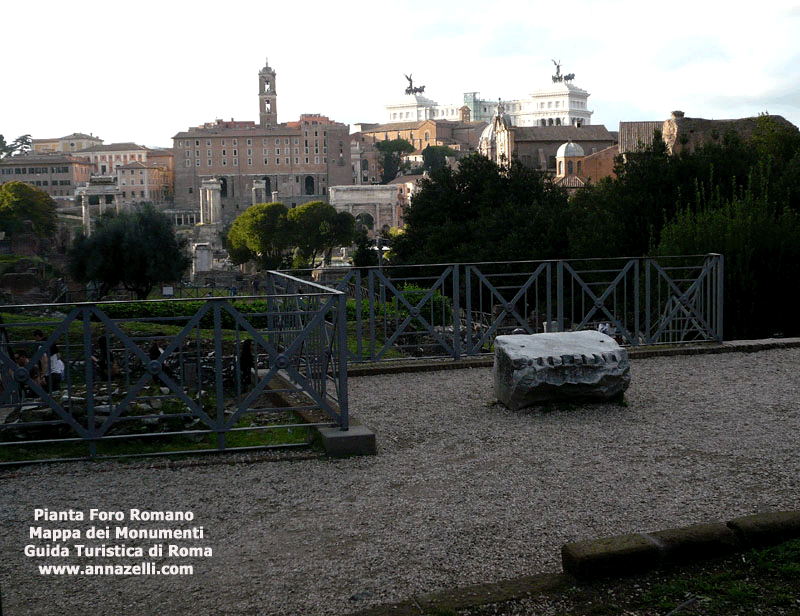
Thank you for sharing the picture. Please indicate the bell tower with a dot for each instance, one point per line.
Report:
(267, 97)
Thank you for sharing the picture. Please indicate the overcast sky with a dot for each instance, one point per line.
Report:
(144, 70)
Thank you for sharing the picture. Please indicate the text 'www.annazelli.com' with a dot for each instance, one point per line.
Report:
(144, 568)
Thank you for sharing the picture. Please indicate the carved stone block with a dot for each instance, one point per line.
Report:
(538, 368)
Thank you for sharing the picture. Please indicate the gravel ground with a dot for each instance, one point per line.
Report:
(462, 491)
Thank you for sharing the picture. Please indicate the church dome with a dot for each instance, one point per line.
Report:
(500, 120)
(568, 150)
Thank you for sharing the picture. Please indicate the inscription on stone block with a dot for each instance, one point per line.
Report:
(538, 368)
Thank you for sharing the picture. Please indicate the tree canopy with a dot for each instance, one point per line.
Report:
(136, 250)
(20, 145)
(736, 196)
(391, 155)
(434, 157)
(265, 232)
(260, 234)
(24, 207)
(317, 228)
(481, 211)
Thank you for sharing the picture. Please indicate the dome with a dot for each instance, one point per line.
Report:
(500, 120)
(568, 150)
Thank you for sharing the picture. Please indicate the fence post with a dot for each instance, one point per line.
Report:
(560, 295)
(720, 260)
(218, 367)
(342, 337)
(455, 312)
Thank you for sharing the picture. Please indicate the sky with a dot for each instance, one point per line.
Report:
(145, 70)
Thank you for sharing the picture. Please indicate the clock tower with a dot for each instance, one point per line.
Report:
(267, 97)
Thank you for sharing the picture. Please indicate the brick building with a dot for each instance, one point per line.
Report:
(460, 136)
(55, 173)
(250, 162)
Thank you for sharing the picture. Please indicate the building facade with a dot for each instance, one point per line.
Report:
(559, 104)
(105, 158)
(145, 182)
(56, 174)
(461, 137)
(71, 143)
(293, 162)
(537, 146)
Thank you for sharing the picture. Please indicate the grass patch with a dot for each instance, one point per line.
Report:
(247, 433)
(762, 581)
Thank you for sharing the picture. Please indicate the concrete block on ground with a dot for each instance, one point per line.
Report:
(357, 441)
(764, 529)
(695, 542)
(538, 368)
(609, 556)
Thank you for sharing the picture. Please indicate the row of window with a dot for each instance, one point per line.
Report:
(264, 141)
(53, 183)
(287, 160)
(265, 152)
(32, 170)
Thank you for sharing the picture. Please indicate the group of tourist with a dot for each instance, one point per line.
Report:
(48, 372)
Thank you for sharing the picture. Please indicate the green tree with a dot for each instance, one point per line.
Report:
(391, 155)
(483, 212)
(434, 157)
(364, 254)
(263, 234)
(136, 249)
(761, 245)
(24, 207)
(318, 228)
(20, 145)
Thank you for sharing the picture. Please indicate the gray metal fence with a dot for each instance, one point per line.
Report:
(128, 378)
(457, 310)
(179, 378)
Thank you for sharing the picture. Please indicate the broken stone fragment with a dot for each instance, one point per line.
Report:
(539, 368)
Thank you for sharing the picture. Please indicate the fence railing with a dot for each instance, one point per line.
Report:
(129, 378)
(457, 310)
